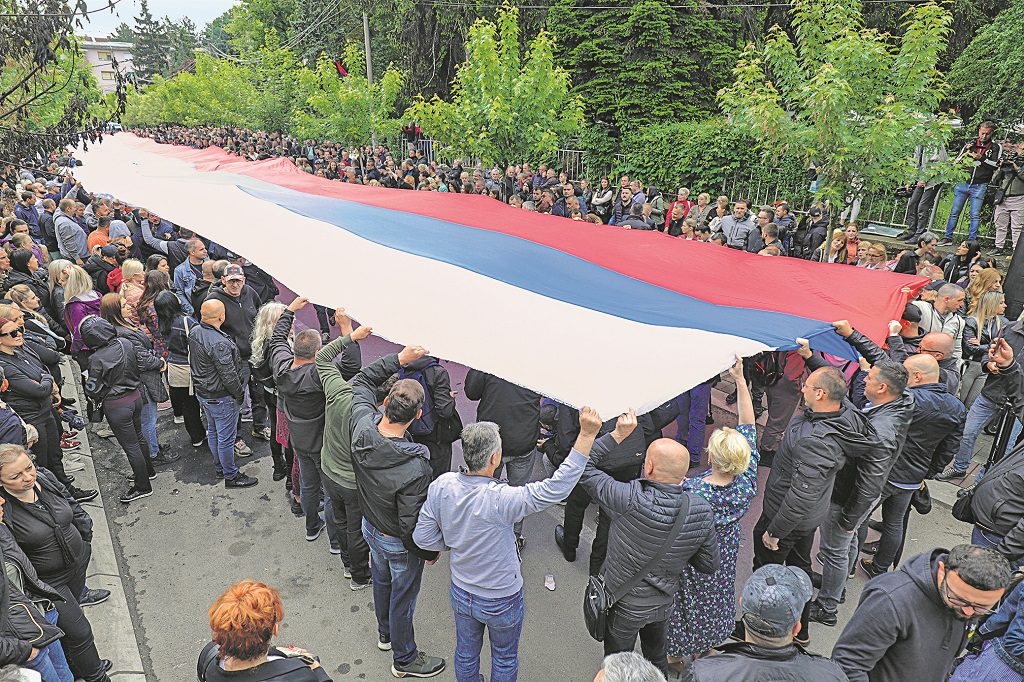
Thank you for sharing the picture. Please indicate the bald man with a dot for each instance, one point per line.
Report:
(932, 440)
(219, 377)
(656, 522)
(940, 346)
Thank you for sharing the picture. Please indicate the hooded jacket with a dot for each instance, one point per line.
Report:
(150, 364)
(304, 401)
(439, 384)
(516, 411)
(114, 366)
(392, 474)
(814, 449)
(902, 629)
(239, 315)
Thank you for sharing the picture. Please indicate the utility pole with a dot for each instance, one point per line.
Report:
(369, 65)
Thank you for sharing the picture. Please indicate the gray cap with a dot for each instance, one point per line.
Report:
(773, 598)
(118, 229)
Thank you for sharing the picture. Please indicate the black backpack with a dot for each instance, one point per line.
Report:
(281, 669)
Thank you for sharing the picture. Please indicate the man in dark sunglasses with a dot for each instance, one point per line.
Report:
(913, 623)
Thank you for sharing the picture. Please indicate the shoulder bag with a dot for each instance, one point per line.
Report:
(271, 670)
(597, 600)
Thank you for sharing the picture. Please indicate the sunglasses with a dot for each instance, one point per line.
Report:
(14, 333)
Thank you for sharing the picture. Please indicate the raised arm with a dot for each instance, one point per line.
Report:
(744, 403)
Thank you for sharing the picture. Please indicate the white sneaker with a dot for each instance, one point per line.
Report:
(72, 466)
(103, 431)
(178, 419)
(241, 449)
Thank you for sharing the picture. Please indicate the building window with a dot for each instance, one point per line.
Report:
(103, 56)
(107, 75)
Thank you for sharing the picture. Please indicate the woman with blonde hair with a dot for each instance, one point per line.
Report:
(832, 251)
(132, 286)
(989, 279)
(80, 300)
(284, 458)
(981, 327)
(704, 612)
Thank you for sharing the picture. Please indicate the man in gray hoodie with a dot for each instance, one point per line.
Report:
(913, 623)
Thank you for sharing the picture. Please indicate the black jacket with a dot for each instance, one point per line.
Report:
(304, 401)
(627, 455)
(39, 287)
(902, 629)
(115, 368)
(745, 662)
(239, 315)
(978, 352)
(392, 474)
(642, 514)
(98, 269)
(814, 449)
(22, 623)
(150, 364)
(30, 384)
(216, 364)
(936, 427)
(1008, 383)
(262, 284)
(998, 503)
(48, 231)
(516, 411)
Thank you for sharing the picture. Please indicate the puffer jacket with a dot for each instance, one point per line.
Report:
(814, 449)
(392, 474)
(746, 662)
(936, 428)
(216, 364)
(98, 269)
(150, 364)
(642, 513)
(516, 411)
(38, 286)
(998, 503)
(114, 367)
(304, 401)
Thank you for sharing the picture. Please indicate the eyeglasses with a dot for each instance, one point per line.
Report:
(14, 333)
(813, 388)
(958, 601)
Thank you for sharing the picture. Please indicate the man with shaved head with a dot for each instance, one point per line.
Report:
(219, 377)
(656, 529)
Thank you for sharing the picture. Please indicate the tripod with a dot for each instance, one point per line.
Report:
(1004, 427)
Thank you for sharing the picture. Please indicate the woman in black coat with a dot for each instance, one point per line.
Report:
(24, 270)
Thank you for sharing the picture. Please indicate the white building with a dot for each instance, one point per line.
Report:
(99, 53)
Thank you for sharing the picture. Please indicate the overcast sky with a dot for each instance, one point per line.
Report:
(200, 11)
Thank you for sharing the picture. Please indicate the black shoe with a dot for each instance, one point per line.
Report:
(241, 481)
(199, 443)
(421, 666)
(82, 495)
(914, 238)
(731, 398)
(990, 429)
(311, 537)
(818, 614)
(93, 597)
(296, 507)
(165, 458)
(758, 410)
(842, 597)
(383, 642)
(767, 457)
(816, 580)
(869, 567)
(279, 473)
(71, 479)
(520, 543)
(133, 494)
(106, 665)
(68, 402)
(803, 639)
(569, 554)
(905, 234)
(869, 547)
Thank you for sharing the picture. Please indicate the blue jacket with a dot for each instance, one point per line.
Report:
(30, 216)
(184, 283)
(1010, 620)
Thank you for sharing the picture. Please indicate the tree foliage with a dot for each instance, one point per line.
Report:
(504, 106)
(844, 97)
(150, 55)
(989, 76)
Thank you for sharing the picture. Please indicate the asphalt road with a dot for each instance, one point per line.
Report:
(179, 549)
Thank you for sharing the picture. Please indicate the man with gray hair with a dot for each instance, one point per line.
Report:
(942, 314)
(628, 666)
(472, 515)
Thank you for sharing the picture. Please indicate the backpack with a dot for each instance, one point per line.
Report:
(767, 368)
(424, 424)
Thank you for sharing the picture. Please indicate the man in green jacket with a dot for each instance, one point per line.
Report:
(336, 454)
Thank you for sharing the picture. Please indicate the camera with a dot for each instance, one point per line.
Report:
(1010, 158)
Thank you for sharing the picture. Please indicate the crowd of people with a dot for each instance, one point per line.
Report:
(152, 314)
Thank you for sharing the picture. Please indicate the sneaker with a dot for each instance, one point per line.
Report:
(241, 481)
(869, 567)
(310, 537)
(103, 431)
(520, 543)
(261, 434)
(133, 494)
(818, 614)
(69, 434)
(945, 241)
(82, 495)
(279, 473)
(383, 642)
(165, 458)
(179, 419)
(72, 466)
(93, 597)
(199, 443)
(296, 507)
(336, 551)
(803, 639)
(356, 586)
(950, 473)
(348, 572)
(68, 444)
(325, 337)
(247, 418)
(767, 458)
(152, 477)
(421, 666)
(241, 449)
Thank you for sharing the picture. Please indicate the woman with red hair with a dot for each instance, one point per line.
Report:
(243, 621)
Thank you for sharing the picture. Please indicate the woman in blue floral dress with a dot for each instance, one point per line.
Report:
(705, 606)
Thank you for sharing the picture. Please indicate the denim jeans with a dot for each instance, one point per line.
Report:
(50, 662)
(987, 538)
(149, 413)
(311, 491)
(693, 411)
(221, 432)
(837, 558)
(981, 413)
(396, 585)
(895, 513)
(519, 472)
(961, 193)
(503, 619)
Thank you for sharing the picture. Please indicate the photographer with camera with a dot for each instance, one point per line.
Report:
(1009, 198)
(984, 154)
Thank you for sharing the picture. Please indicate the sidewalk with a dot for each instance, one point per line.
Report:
(111, 621)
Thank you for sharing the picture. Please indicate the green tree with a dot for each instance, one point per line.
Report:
(504, 107)
(182, 42)
(989, 76)
(843, 97)
(123, 33)
(647, 62)
(150, 54)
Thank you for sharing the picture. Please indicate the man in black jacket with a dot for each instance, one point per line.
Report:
(643, 515)
(438, 408)
(516, 411)
(911, 624)
(219, 377)
(817, 446)
(392, 475)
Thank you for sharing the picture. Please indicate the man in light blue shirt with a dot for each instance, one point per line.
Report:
(472, 515)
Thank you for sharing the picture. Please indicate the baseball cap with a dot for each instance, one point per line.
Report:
(234, 272)
(773, 598)
(935, 286)
(814, 212)
(911, 313)
(108, 251)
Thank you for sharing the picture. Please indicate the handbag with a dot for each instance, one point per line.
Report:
(598, 600)
(922, 499)
(449, 430)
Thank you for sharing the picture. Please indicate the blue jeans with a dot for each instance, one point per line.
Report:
(149, 413)
(50, 662)
(693, 411)
(987, 538)
(221, 432)
(981, 412)
(503, 619)
(396, 578)
(961, 193)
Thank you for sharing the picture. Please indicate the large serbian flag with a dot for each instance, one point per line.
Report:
(585, 314)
